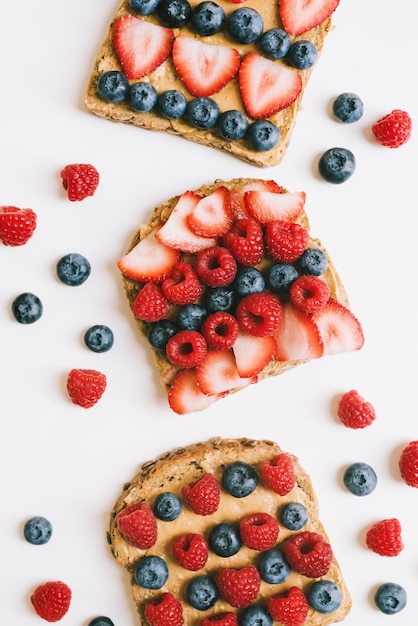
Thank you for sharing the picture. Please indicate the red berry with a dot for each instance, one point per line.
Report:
(408, 464)
(290, 608)
(165, 611)
(245, 241)
(16, 225)
(51, 600)
(216, 266)
(203, 496)
(394, 129)
(385, 538)
(183, 285)
(150, 304)
(80, 180)
(220, 330)
(285, 241)
(239, 587)
(191, 551)
(138, 525)
(259, 531)
(186, 348)
(309, 554)
(278, 474)
(85, 387)
(354, 411)
(309, 293)
(259, 314)
(223, 619)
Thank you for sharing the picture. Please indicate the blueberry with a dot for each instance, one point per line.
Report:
(142, 97)
(219, 299)
(167, 506)
(144, 7)
(160, 332)
(208, 18)
(262, 135)
(171, 104)
(27, 308)
(281, 276)
(239, 479)
(248, 280)
(336, 165)
(255, 615)
(98, 338)
(225, 539)
(390, 598)
(174, 13)
(324, 596)
(202, 113)
(113, 86)
(348, 107)
(37, 530)
(273, 567)
(302, 54)
(151, 572)
(202, 593)
(232, 125)
(101, 621)
(73, 269)
(245, 25)
(275, 43)
(293, 516)
(360, 479)
(191, 316)
(313, 261)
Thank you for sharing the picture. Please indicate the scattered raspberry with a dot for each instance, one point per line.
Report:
(394, 129)
(408, 464)
(186, 348)
(51, 600)
(150, 304)
(239, 587)
(203, 496)
(16, 225)
(285, 241)
(259, 314)
(385, 538)
(86, 387)
(80, 180)
(278, 474)
(183, 285)
(289, 608)
(220, 330)
(223, 619)
(259, 531)
(216, 266)
(191, 551)
(245, 241)
(309, 293)
(309, 554)
(354, 411)
(166, 611)
(138, 525)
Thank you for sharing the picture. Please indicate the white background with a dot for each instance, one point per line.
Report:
(69, 464)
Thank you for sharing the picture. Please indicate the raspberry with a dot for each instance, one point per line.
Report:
(80, 180)
(239, 587)
(245, 241)
(354, 411)
(285, 241)
(384, 537)
(394, 129)
(203, 496)
(186, 348)
(220, 330)
(85, 387)
(216, 266)
(259, 314)
(290, 608)
(309, 293)
(183, 285)
(191, 551)
(223, 619)
(259, 531)
(309, 554)
(51, 600)
(138, 525)
(408, 464)
(166, 611)
(278, 474)
(150, 304)
(16, 225)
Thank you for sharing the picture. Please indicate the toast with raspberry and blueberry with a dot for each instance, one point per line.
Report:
(229, 287)
(227, 531)
(220, 73)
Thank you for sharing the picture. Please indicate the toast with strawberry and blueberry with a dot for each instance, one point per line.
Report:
(221, 73)
(227, 532)
(229, 287)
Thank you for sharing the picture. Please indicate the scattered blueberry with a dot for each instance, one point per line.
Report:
(225, 539)
(208, 18)
(167, 506)
(174, 13)
(101, 621)
(313, 261)
(191, 316)
(275, 43)
(324, 596)
(171, 104)
(336, 165)
(262, 135)
(160, 332)
(113, 86)
(98, 338)
(281, 276)
(219, 299)
(273, 566)
(245, 25)
(390, 598)
(239, 479)
(293, 515)
(248, 280)
(232, 125)
(37, 530)
(144, 7)
(202, 113)
(255, 615)
(151, 572)
(142, 97)
(348, 107)
(202, 593)
(73, 269)
(27, 308)
(302, 54)
(360, 479)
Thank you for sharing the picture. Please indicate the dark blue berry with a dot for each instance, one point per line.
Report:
(174, 13)
(113, 86)
(390, 598)
(202, 113)
(324, 596)
(208, 18)
(273, 566)
(275, 43)
(225, 539)
(37, 530)
(302, 54)
(245, 25)
(248, 280)
(151, 572)
(73, 269)
(281, 276)
(255, 615)
(336, 165)
(27, 308)
(219, 299)
(172, 104)
(167, 506)
(143, 7)
(313, 261)
(232, 125)
(293, 516)
(101, 621)
(142, 97)
(160, 332)
(191, 316)
(360, 479)
(202, 593)
(262, 135)
(348, 107)
(99, 338)
(239, 479)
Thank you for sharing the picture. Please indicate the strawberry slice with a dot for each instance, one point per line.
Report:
(176, 232)
(298, 16)
(149, 261)
(252, 353)
(340, 330)
(266, 87)
(204, 68)
(236, 196)
(267, 206)
(212, 216)
(297, 336)
(217, 373)
(140, 45)
(184, 395)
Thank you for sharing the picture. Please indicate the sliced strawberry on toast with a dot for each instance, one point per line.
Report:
(184, 395)
(298, 16)
(212, 216)
(340, 330)
(267, 206)
(236, 196)
(217, 373)
(252, 353)
(297, 337)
